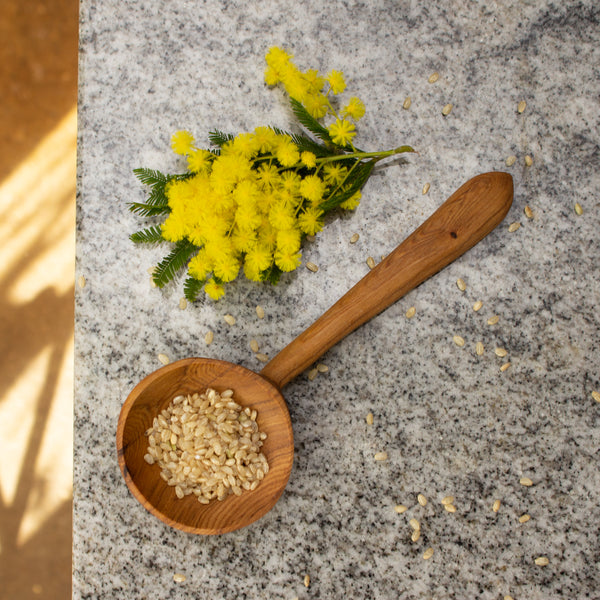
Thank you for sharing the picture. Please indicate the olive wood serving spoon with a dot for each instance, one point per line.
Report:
(474, 210)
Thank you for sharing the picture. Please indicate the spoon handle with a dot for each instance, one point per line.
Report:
(474, 210)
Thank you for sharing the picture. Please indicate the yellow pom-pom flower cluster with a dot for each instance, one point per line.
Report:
(246, 205)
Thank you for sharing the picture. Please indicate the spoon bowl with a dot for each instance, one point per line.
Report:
(472, 212)
(188, 376)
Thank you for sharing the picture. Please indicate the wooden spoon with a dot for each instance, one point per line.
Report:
(474, 210)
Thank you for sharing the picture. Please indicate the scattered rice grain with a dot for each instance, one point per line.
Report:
(528, 160)
(81, 281)
(312, 267)
(501, 352)
(422, 500)
(578, 209)
(416, 534)
(461, 285)
(260, 312)
(380, 456)
(322, 368)
(596, 396)
(371, 262)
(447, 500)
(428, 554)
(414, 523)
(477, 306)
(179, 577)
(450, 508)
(400, 508)
(407, 102)
(262, 357)
(164, 359)
(410, 313)
(524, 518)
(306, 580)
(229, 319)
(528, 212)
(526, 481)
(514, 226)
(354, 238)
(426, 188)
(541, 561)
(479, 348)
(254, 346)
(510, 161)
(458, 340)
(505, 366)
(209, 337)
(493, 320)
(182, 303)
(447, 109)
(312, 374)
(521, 106)
(496, 506)
(433, 77)
(369, 418)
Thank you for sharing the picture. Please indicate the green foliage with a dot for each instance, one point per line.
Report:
(167, 269)
(151, 235)
(192, 288)
(357, 177)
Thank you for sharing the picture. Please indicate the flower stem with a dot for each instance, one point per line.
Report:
(360, 155)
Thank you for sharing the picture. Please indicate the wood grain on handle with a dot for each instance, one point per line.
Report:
(474, 210)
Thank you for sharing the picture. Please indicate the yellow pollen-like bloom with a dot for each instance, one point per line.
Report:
(312, 188)
(354, 109)
(342, 132)
(287, 262)
(308, 159)
(182, 142)
(214, 290)
(336, 81)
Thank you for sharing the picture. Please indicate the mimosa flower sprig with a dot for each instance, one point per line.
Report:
(249, 202)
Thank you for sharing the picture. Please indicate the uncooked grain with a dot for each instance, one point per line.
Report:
(433, 77)
(260, 312)
(496, 506)
(447, 500)
(524, 518)
(400, 508)
(458, 340)
(450, 508)
(461, 285)
(179, 578)
(479, 349)
(312, 267)
(528, 212)
(416, 534)
(541, 561)
(306, 580)
(381, 456)
(526, 481)
(254, 346)
(505, 366)
(207, 445)
(477, 306)
(414, 523)
(262, 357)
(163, 358)
(322, 368)
(182, 303)
(428, 554)
(510, 161)
(422, 500)
(501, 352)
(407, 102)
(371, 262)
(369, 418)
(410, 313)
(312, 374)
(447, 110)
(493, 320)
(514, 226)
(528, 160)
(81, 281)
(229, 319)
(521, 106)
(596, 396)
(354, 238)
(578, 209)
(209, 337)
(426, 188)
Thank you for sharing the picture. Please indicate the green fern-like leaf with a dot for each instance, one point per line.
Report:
(148, 210)
(354, 183)
(150, 176)
(151, 235)
(192, 288)
(219, 138)
(308, 121)
(172, 263)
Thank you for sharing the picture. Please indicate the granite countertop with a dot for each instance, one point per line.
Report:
(452, 422)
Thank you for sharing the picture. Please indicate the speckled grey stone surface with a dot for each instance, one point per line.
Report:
(451, 421)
